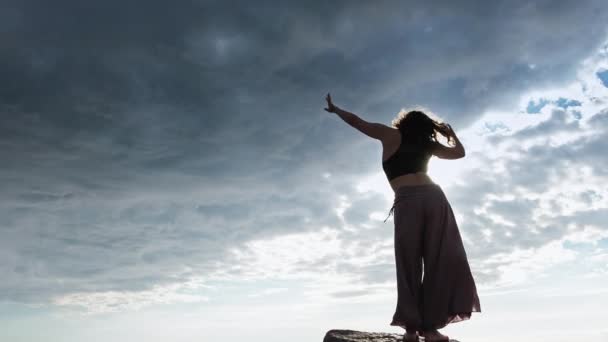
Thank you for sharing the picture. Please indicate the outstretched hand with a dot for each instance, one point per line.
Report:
(330, 106)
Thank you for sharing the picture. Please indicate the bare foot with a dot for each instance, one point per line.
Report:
(434, 335)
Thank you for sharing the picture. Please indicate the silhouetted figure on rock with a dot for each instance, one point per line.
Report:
(426, 234)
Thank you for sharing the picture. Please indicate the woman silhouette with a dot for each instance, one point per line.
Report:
(435, 286)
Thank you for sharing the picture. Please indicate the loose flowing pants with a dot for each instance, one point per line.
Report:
(435, 286)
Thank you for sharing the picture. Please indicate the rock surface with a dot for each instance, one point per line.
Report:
(362, 336)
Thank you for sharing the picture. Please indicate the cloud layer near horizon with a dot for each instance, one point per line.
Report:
(143, 146)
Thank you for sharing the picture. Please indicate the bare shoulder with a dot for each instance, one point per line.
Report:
(391, 136)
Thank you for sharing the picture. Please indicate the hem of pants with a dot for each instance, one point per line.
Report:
(406, 326)
(452, 318)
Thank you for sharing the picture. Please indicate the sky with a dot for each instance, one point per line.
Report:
(169, 173)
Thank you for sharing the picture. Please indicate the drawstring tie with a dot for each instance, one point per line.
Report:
(391, 211)
(399, 197)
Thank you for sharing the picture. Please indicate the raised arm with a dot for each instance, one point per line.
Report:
(371, 129)
(445, 152)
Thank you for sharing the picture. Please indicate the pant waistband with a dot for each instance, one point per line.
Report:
(409, 189)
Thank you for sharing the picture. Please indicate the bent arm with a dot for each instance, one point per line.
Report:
(444, 152)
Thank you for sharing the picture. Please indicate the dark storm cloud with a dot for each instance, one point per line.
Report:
(140, 141)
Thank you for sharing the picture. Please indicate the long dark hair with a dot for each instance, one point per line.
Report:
(417, 127)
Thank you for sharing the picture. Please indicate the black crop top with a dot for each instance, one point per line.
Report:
(408, 158)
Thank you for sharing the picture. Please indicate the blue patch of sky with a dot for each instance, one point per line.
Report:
(565, 103)
(576, 246)
(535, 107)
(601, 244)
(603, 76)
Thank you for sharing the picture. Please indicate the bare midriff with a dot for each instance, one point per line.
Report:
(417, 178)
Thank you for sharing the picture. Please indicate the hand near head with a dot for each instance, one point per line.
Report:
(330, 106)
(446, 130)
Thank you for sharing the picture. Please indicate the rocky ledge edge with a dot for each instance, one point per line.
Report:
(339, 335)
